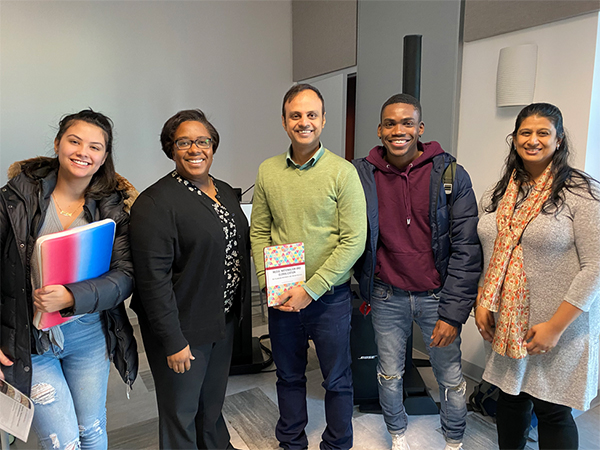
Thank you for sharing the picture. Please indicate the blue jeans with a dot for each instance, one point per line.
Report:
(393, 313)
(327, 322)
(69, 388)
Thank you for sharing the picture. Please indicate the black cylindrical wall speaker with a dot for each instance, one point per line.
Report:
(411, 66)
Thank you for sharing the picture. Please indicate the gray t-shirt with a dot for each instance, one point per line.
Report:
(50, 225)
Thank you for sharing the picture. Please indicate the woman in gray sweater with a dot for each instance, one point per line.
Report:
(538, 306)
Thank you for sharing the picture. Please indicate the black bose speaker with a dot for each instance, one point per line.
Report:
(364, 358)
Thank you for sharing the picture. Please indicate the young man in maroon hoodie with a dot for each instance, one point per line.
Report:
(422, 262)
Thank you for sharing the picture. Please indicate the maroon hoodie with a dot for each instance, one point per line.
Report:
(404, 254)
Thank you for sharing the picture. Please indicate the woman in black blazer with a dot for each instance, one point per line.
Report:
(190, 247)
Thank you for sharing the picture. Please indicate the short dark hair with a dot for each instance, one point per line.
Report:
(104, 181)
(188, 115)
(402, 98)
(295, 90)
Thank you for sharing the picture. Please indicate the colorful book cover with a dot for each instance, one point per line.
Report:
(73, 255)
(284, 268)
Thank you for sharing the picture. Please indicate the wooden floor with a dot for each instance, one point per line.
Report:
(251, 413)
(254, 416)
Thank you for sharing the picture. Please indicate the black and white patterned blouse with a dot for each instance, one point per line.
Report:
(232, 256)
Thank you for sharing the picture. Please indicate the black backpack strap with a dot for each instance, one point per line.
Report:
(448, 182)
(448, 179)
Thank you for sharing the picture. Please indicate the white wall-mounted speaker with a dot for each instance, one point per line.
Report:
(515, 81)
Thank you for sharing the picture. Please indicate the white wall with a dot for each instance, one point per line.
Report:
(139, 63)
(592, 157)
(565, 73)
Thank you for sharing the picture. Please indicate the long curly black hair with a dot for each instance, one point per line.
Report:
(565, 176)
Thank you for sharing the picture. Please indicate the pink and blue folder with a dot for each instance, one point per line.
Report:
(70, 256)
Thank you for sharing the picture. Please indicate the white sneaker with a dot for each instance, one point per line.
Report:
(399, 442)
(450, 446)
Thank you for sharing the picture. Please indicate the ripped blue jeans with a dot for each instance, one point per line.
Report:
(69, 388)
(393, 312)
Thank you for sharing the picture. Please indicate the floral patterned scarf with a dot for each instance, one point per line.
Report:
(505, 286)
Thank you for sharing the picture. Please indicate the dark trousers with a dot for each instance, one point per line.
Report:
(327, 323)
(556, 427)
(190, 403)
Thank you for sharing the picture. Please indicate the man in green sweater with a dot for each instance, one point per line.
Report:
(310, 195)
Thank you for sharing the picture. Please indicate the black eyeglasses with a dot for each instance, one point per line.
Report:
(186, 144)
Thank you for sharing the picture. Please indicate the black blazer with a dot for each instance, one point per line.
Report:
(178, 249)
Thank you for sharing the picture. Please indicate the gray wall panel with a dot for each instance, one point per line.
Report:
(485, 18)
(382, 26)
(140, 63)
(324, 36)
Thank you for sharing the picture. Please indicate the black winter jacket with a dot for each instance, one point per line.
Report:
(23, 204)
(457, 257)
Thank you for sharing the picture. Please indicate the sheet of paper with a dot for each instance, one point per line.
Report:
(16, 411)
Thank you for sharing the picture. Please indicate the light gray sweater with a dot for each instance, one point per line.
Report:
(561, 255)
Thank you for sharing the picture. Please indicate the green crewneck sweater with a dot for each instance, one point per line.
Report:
(322, 206)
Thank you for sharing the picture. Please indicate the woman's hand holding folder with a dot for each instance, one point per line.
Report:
(51, 298)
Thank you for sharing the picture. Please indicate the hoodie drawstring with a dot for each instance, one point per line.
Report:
(407, 203)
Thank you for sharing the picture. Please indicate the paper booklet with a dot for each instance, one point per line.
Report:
(284, 268)
(16, 411)
(73, 255)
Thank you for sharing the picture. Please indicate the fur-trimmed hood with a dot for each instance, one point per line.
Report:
(130, 193)
(24, 202)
